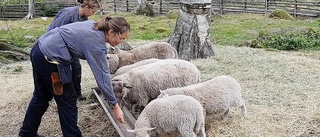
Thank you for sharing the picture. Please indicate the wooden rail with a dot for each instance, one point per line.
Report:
(121, 128)
(309, 8)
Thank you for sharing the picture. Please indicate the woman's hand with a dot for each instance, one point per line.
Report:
(118, 113)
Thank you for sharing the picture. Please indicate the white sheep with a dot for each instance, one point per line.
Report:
(126, 68)
(178, 113)
(123, 46)
(142, 84)
(216, 95)
(159, 50)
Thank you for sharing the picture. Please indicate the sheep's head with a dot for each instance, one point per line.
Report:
(113, 60)
(119, 88)
(141, 132)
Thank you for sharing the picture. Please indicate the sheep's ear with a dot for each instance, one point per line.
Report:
(126, 85)
(149, 129)
(131, 131)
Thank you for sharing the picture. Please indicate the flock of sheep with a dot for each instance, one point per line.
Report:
(170, 92)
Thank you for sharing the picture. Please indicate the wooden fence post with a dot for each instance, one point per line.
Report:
(221, 7)
(266, 6)
(245, 6)
(114, 6)
(127, 4)
(295, 8)
(160, 7)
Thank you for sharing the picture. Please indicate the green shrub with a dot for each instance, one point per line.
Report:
(292, 41)
(281, 14)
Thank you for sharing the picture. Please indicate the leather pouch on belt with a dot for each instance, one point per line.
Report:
(56, 83)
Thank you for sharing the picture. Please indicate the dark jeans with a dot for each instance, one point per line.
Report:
(76, 75)
(43, 93)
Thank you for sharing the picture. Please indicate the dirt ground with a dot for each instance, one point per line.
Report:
(281, 90)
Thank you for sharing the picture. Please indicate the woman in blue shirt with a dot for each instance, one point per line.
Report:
(61, 45)
(70, 15)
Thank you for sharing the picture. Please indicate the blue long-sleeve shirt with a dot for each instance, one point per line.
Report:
(66, 16)
(80, 40)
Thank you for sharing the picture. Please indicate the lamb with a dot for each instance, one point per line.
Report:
(140, 85)
(216, 95)
(177, 113)
(160, 50)
(126, 68)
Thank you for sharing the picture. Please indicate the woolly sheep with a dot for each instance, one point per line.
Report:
(126, 68)
(160, 50)
(178, 113)
(123, 46)
(140, 85)
(216, 95)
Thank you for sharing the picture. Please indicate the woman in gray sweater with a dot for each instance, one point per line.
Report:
(53, 54)
(69, 15)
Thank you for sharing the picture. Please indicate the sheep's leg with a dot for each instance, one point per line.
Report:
(203, 131)
(186, 130)
(189, 134)
(243, 108)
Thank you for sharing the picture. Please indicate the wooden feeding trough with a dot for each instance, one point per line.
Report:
(121, 128)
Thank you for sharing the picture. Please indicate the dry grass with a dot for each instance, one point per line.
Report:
(281, 90)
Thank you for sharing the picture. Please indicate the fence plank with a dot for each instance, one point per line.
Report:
(294, 7)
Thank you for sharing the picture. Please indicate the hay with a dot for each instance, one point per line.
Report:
(281, 90)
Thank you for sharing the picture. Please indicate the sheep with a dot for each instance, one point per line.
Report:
(140, 85)
(123, 46)
(172, 114)
(160, 50)
(137, 64)
(216, 95)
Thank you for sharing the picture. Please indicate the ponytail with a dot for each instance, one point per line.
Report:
(117, 24)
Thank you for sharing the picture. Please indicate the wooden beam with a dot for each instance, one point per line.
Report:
(121, 128)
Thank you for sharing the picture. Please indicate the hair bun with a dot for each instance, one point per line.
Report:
(80, 1)
(108, 18)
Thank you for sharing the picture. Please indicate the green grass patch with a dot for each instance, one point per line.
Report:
(235, 29)
(232, 29)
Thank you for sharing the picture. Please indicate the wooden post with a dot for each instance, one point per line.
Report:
(295, 8)
(114, 6)
(265, 6)
(191, 37)
(160, 7)
(245, 6)
(127, 5)
(221, 7)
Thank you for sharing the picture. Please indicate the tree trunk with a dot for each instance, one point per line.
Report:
(144, 8)
(191, 37)
(31, 10)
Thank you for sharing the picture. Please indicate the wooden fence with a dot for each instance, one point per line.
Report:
(294, 7)
(18, 11)
(309, 8)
